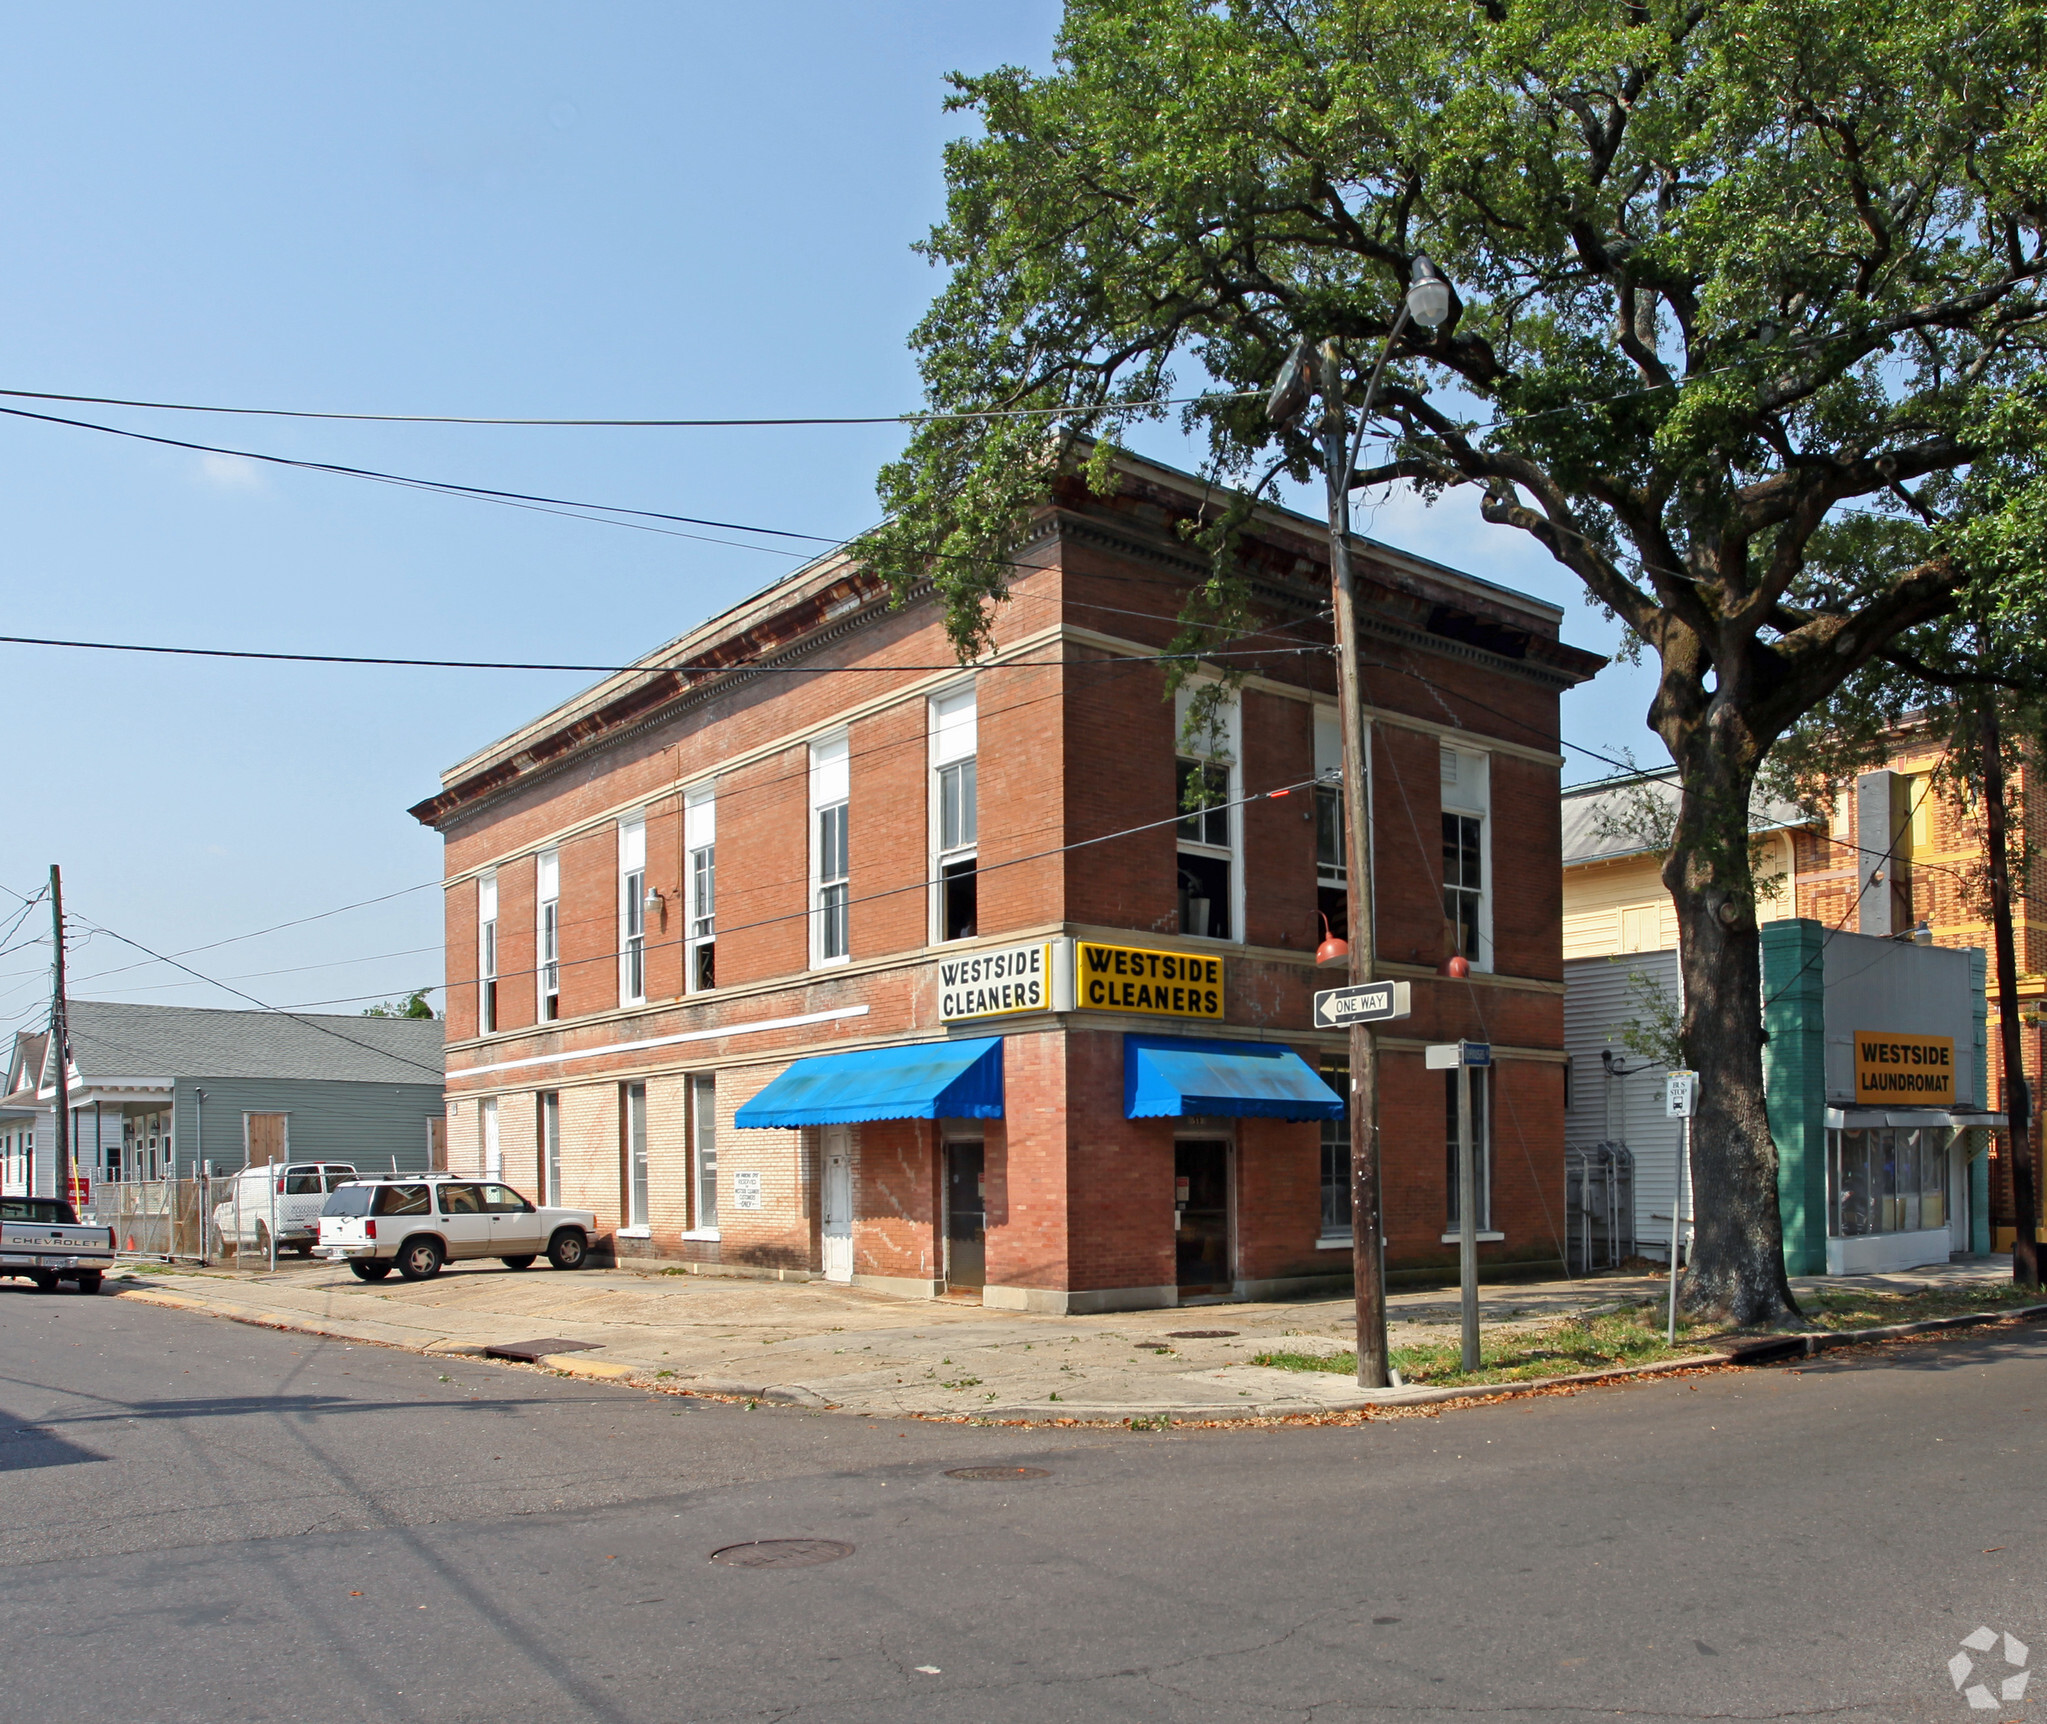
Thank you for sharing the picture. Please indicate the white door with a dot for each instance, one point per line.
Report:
(838, 1204)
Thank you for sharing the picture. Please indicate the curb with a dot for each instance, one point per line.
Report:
(1767, 1349)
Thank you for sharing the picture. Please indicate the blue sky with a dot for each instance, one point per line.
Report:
(617, 210)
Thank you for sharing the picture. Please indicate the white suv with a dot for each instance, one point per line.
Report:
(414, 1225)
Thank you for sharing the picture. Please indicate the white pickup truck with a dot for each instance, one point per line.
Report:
(42, 1238)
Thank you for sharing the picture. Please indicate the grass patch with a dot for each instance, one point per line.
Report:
(1633, 1337)
(1840, 1308)
(1636, 1336)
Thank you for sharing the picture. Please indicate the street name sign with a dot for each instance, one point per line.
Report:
(1365, 1003)
(1448, 1056)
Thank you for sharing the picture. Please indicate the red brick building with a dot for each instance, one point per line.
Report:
(800, 949)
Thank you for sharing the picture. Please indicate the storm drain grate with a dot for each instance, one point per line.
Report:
(782, 1553)
(1201, 1334)
(531, 1352)
(997, 1473)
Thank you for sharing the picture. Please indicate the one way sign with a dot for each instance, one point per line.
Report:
(1367, 1003)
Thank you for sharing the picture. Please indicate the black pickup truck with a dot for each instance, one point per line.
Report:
(41, 1238)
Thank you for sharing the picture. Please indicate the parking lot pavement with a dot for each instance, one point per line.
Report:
(817, 1344)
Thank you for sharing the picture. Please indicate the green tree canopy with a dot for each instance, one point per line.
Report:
(1750, 339)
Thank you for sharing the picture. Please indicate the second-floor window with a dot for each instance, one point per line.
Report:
(548, 932)
(1204, 779)
(956, 814)
(487, 954)
(1332, 863)
(632, 912)
(1467, 899)
(700, 884)
(831, 867)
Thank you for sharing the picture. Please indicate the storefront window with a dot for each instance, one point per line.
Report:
(1884, 1179)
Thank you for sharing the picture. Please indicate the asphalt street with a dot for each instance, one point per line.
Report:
(213, 1521)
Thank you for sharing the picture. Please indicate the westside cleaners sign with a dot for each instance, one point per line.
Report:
(1127, 979)
(993, 984)
(1918, 1071)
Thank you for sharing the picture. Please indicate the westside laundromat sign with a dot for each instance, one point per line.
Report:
(1918, 1071)
(1127, 979)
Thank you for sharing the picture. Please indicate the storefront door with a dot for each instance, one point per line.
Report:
(838, 1204)
(966, 1216)
(1201, 1214)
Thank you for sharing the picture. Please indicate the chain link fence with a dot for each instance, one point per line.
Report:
(178, 1220)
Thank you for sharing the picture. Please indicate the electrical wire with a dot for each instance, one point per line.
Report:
(695, 671)
(918, 418)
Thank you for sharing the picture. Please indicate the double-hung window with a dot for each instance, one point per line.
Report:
(632, 912)
(955, 812)
(1467, 892)
(487, 954)
(1205, 786)
(547, 933)
(1332, 863)
(1482, 1146)
(490, 1152)
(700, 881)
(703, 1150)
(831, 922)
(1336, 1211)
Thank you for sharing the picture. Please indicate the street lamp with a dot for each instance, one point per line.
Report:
(1429, 301)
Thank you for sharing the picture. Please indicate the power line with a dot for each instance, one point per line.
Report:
(438, 1072)
(920, 418)
(448, 485)
(749, 668)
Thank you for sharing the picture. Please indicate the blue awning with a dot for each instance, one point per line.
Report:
(930, 1080)
(1168, 1077)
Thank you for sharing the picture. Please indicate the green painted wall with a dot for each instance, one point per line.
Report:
(365, 1124)
(1795, 1083)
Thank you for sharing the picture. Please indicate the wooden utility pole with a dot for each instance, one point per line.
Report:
(1362, 1104)
(60, 1035)
(2018, 1100)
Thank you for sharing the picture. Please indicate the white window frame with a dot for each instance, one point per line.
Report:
(1232, 852)
(548, 1129)
(547, 935)
(632, 911)
(1482, 1106)
(703, 1156)
(1471, 796)
(699, 884)
(831, 916)
(490, 1152)
(638, 1174)
(487, 953)
(955, 753)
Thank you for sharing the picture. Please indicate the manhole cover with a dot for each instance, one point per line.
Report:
(782, 1553)
(533, 1351)
(1201, 1334)
(992, 1473)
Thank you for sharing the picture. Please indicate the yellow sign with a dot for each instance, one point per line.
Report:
(1125, 979)
(1915, 1071)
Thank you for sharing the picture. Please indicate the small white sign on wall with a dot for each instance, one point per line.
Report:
(746, 1190)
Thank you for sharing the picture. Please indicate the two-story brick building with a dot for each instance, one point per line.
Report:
(798, 948)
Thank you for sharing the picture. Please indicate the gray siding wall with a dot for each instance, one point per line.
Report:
(1894, 985)
(366, 1124)
(1627, 1109)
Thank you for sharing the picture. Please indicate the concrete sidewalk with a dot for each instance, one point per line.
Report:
(819, 1345)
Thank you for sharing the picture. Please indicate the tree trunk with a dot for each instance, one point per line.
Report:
(1737, 1270)
(2025, 1255)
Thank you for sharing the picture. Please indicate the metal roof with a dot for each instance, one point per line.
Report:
(1596, 816)
(113, 1039)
